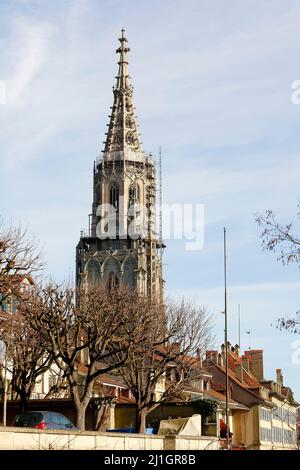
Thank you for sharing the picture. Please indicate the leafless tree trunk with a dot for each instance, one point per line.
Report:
(19, 257)
(165, 352)
(103, 408)
(85, 331)
(26, 357)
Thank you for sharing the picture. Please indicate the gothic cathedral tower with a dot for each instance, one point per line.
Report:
(122, 244)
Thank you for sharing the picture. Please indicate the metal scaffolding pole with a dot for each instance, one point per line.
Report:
(226, 343)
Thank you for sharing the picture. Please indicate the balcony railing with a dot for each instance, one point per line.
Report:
(128, 155)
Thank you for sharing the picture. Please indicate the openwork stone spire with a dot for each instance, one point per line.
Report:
(122, 132)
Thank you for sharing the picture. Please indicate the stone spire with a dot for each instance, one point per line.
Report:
(122, 135)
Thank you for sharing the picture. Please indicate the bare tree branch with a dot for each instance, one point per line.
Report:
(276, 236)
(164, 356)
(26, 358)
(19, 256)
(85, 331)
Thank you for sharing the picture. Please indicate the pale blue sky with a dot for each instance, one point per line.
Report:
(212, 86)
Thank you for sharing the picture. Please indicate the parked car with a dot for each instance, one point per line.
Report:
(43, 420)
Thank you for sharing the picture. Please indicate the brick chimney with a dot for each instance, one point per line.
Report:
(256, 362)
(279, 376)
(245, 360)
(229, 348)
(220, 360)
(212, 356)
(239, 371)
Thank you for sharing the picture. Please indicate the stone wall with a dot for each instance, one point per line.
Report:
(34, 439)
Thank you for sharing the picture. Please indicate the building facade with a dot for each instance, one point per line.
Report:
(269, 423)
(122, 245)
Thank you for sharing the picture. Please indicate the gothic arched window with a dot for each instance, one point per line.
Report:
(114, 196)
(112, 272)
(134, 194)
(112, 281)
(129, 269)
(93, 272)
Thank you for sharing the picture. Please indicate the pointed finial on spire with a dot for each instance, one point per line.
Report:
(122, 50)
(122, 129)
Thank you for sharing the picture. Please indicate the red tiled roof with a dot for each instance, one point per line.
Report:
(236, 380)
(105, 379)
(250, 379)
(113, 380)
(233, 359)
(220, 397)
(213, 393)
(250, 352)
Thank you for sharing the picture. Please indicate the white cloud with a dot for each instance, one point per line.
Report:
(29, 48)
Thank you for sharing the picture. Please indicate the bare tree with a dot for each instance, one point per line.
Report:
(85, 332)
(19, 255)
(281, 237)
(290, 324)
(165, 353)
(26, 358)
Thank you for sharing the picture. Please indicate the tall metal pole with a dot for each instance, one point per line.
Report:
(239, 309)
(160, 226)
(5, 393)
(160, 207)
(226, 342)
